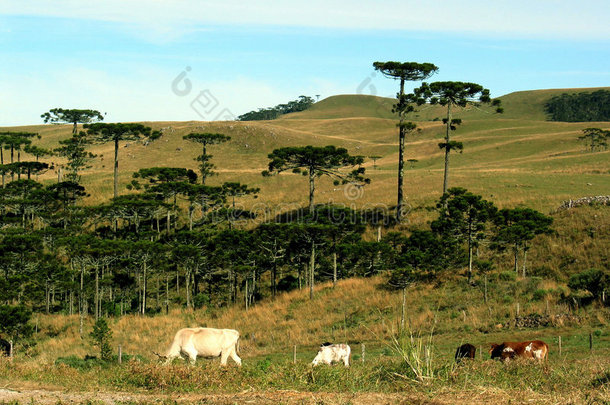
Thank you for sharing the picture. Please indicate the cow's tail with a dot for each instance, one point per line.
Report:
(237, 345)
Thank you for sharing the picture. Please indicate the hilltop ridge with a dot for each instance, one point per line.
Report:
(513, 158)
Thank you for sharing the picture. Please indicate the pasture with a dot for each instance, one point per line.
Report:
(396, 367)
(516, 159)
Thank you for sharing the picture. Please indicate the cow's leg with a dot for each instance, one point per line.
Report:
(346, 361)
(224, 356)
(192, 355)
(235, 357)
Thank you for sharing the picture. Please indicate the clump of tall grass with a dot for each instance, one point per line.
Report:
(416, 354)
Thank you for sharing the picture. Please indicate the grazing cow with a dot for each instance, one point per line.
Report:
(465, 351)
(329, 353)
(5, 347)
(205, 342)
(531, 349)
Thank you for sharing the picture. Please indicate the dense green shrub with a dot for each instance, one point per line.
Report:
(101, 336)
(507, 276)
(592, 280)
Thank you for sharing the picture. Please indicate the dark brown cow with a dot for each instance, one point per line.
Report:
(531, 349)
(465, 351)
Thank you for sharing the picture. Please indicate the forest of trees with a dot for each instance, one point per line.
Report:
(175, 239)
(580, 107)
(271, 113)
(172, 241)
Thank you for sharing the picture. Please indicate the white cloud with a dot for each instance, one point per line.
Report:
(168, 19)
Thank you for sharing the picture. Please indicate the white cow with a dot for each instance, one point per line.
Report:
(330, 353)
(205, 342)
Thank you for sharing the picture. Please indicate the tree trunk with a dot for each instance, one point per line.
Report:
(524, 259)
(12, 161)
(312, 189)
(469, 252)
(72, 289)
(19, 160)
(116, 168)
(401, 155)
(516, 253)
(166, 293)
(97, 293)
(2, 163)
(334, 269)
(144, 281)
(246, 295)
(273, 279)
(312, 266)
(47, 296)
(447, 150)
(188, 289)
(403, 308)
(81, 304)
(299, 276)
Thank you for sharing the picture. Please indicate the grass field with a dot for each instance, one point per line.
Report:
(513, 159)
(357, 311)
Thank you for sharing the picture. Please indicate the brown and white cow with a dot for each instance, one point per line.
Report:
(329, 353)
(205, 342)
(531, 349)
(465, 351)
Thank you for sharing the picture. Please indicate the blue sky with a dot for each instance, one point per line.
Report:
(125, 57)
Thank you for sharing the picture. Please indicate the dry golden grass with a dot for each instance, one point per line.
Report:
(509, 159)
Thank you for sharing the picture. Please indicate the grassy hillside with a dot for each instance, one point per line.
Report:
(514, 158)
(359, 311)
(347, 106)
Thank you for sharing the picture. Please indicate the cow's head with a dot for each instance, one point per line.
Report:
(317, 359)
(493, 350)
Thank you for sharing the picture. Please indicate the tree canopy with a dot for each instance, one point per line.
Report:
(317, 161)
(452, 94)
(301, 104)
(71, 116)
(579, 107)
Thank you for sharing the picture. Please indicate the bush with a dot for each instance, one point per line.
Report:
(592, 280)
(539, 294)
(201, 300)
(14, 322)
(546, 272)
(507, 276)
(101, 336)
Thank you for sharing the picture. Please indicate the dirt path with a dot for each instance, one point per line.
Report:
(50, 397)
(40, 396)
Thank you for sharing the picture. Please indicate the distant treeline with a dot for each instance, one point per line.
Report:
(271, 113)
(580, 107)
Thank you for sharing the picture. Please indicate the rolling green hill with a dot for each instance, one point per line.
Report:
(514, 158)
